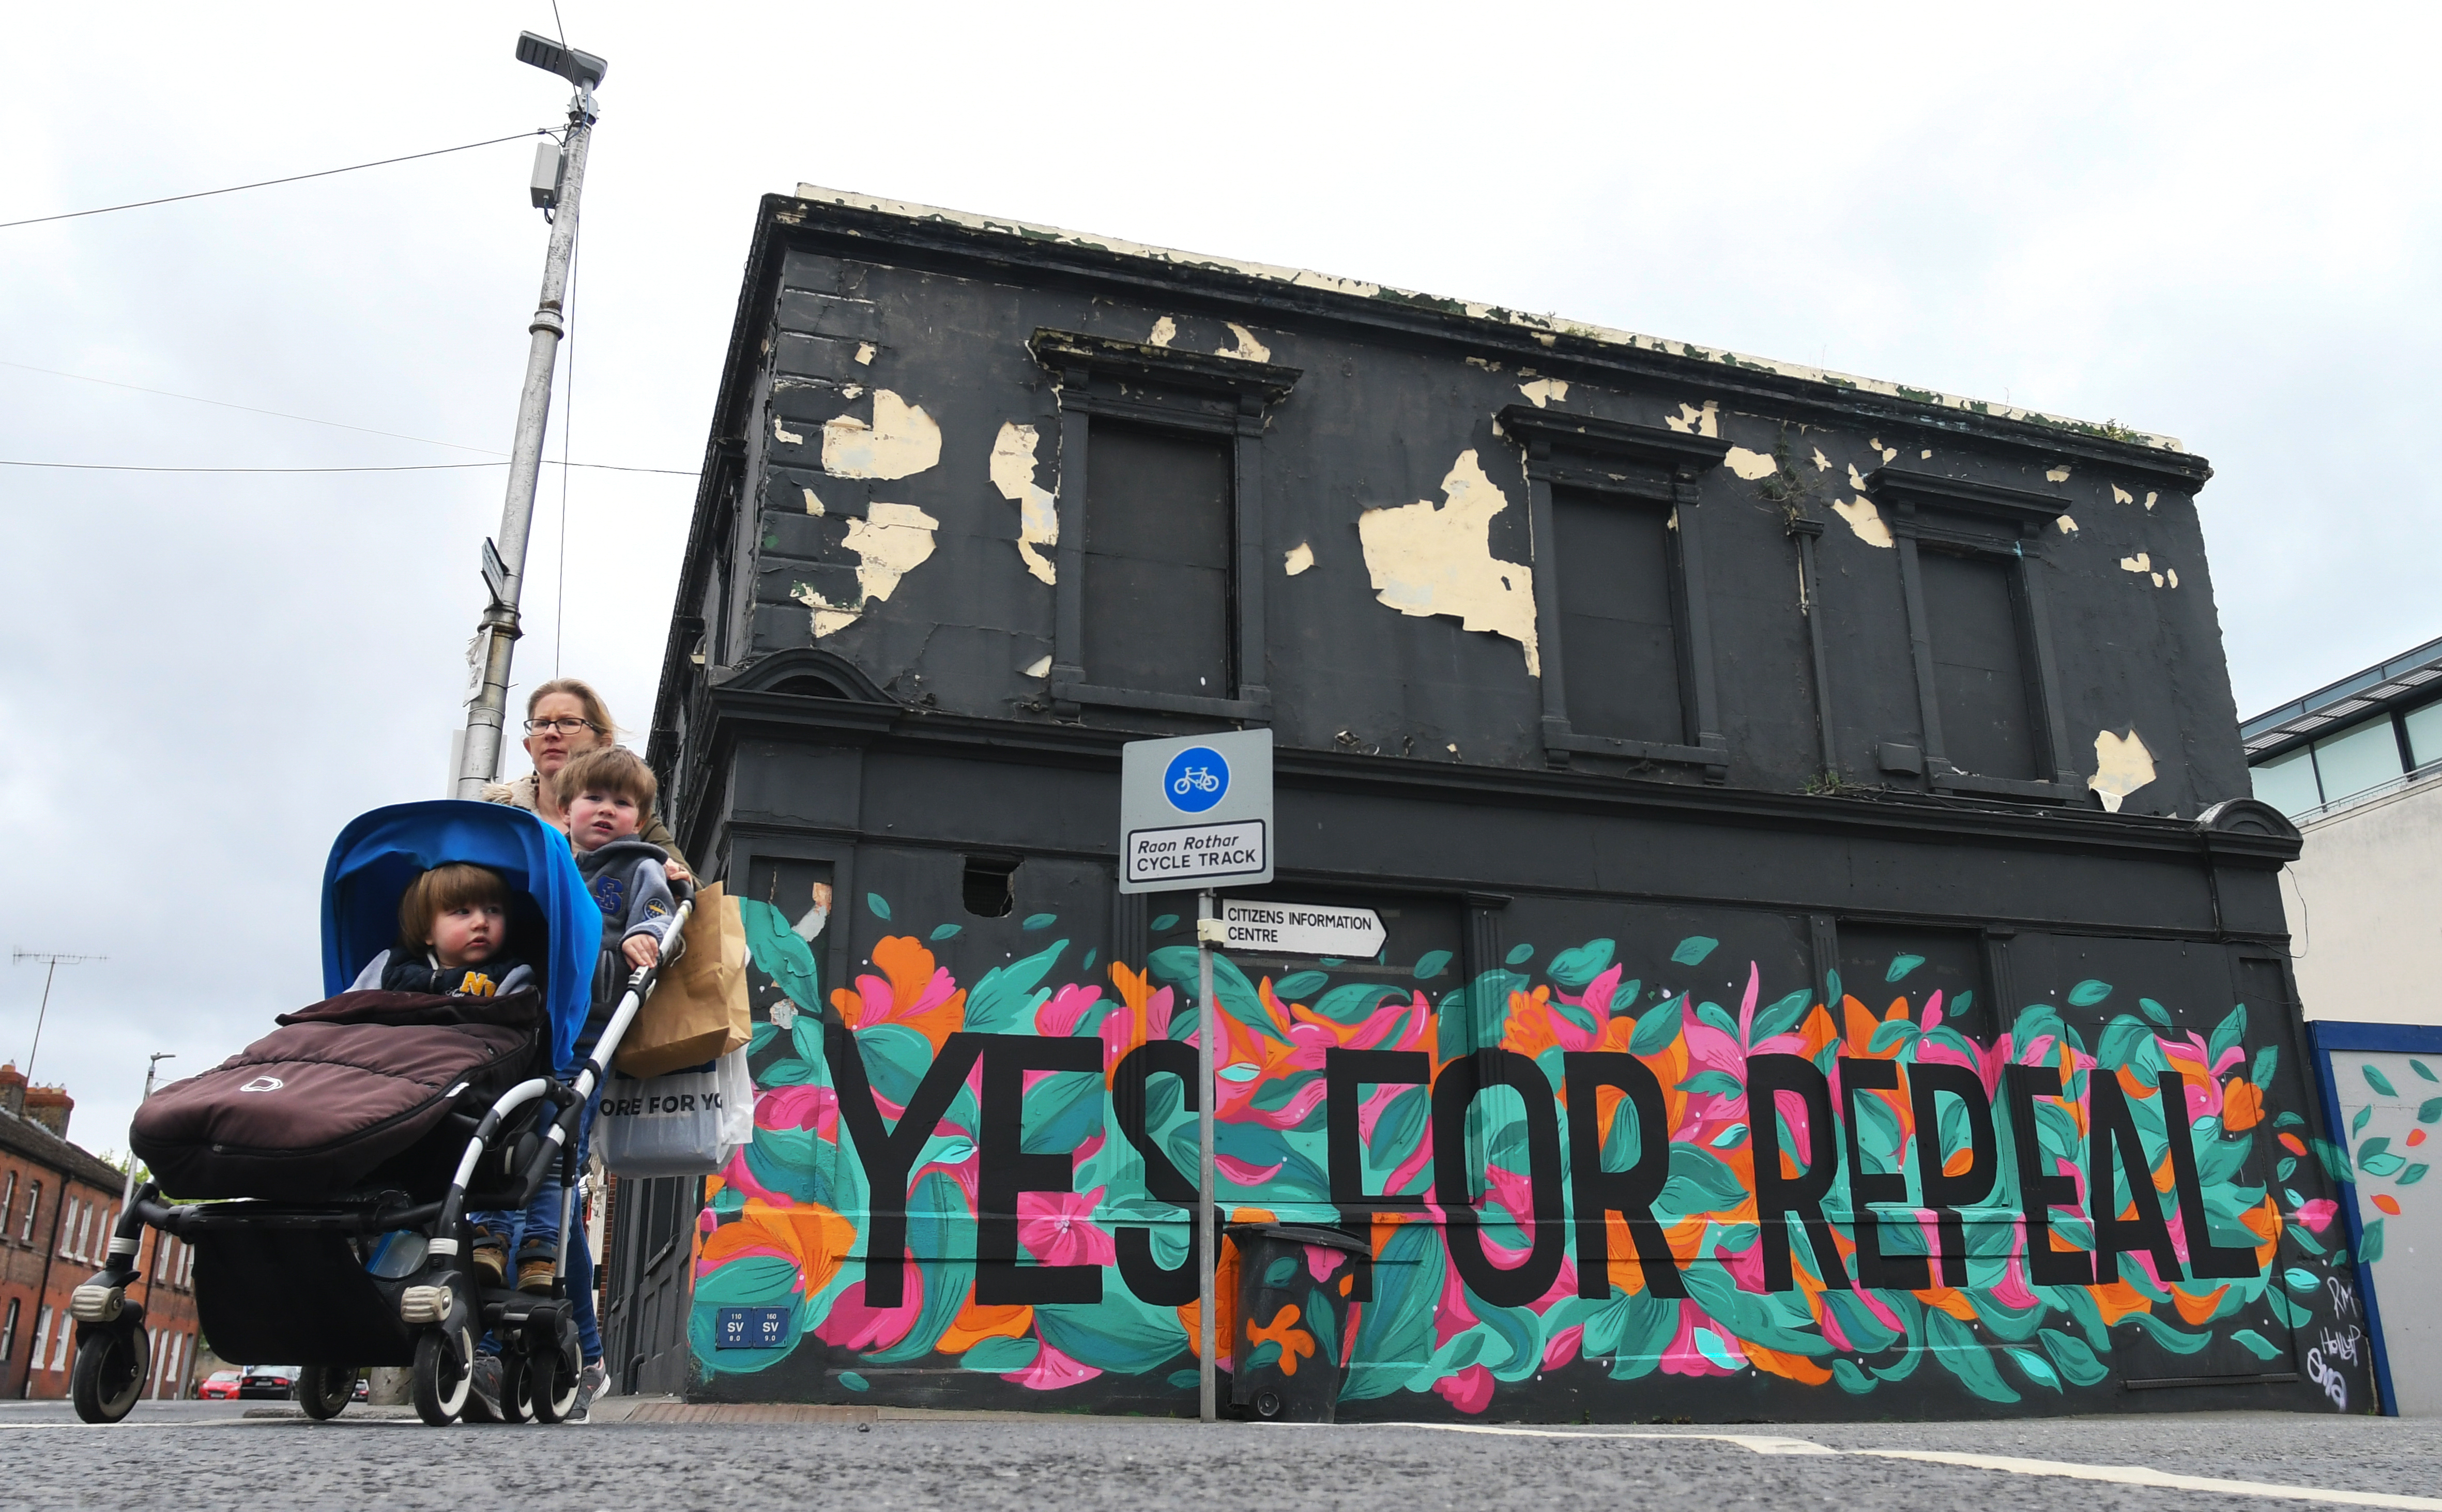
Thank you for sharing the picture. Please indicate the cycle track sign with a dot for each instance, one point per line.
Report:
(1195, 810)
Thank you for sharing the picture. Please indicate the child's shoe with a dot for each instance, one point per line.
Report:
(535, 1274)
(491, 1265)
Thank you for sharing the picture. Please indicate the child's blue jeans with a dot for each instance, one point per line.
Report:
(534, 1234)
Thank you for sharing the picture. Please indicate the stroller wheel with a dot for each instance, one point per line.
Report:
(109, 1372)
(516, 1380)
(552, 1382)
(443, 1379)
(324, 1390)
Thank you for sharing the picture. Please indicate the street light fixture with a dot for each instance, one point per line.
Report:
(554, 188)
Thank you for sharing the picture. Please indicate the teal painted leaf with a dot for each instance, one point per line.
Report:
(2033, 1364)
(1781, 1016)
(2379, 1082)
(2268, 1060)
(2372, 1147)
(1712, 1347)
(764, 1034)
(1657, 1028)
(1277, 1274)
(779, 954)
(2075, 1357)
(1520, 954)
(880, 908)
(2229, 1032)
(2336, 1160)
(2424, 1070)
(1431, 964)
(1964, 1356)
(2414, 1173)
(2088, 993)
(2300, 1234)
(1693, 949)
(1832, 987)
(1182, 1379)
(852, 1380)
(1039, 921)
(1164, 921)
(1890, 1033)
(2177, 1340)
(2281, 1172)
(1003, 1000)
(1721, 1082)
(1573, 968)
(2155, 1011)
(945, 931)
(1087, 964)
(2429, 1111)
(2297, 1278)
(1730, 1137)
(2254, 1344)
(1852, 1380)
(1297, 986)
(2365, 1116)
(2286, 1120)
(2370, 1244)
(1900, 966)
(998, 1357)
(2379, 1162)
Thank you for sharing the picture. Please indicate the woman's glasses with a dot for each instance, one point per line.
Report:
(560, 726)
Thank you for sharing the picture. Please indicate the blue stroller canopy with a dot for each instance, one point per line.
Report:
(380, 853)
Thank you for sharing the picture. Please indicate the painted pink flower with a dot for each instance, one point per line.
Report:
(1060, 1015)
(1050, 1371)
(854, 1325)
(1563, 1347)
(1701, 1348)
(1058, 1229)
(2318, 1214)
(798, 1107)
(1469, 1391)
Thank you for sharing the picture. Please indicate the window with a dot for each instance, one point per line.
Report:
(186, 1265)
(8, 1197)
(1619, 617)
(2424, 727)
(2356, 759)
(1158, 583)
(989, 886)
(1979, 673)
(41, 1339)
(68, 1228)
(1620, 599)
(1159, 543)
(2287, 782)
(61, 1342)
(1971, 558)
(33, 1205)
(8, 1332)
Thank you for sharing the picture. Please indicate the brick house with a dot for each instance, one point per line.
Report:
(57, 1203)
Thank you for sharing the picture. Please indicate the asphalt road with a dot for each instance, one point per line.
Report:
(209, 1455)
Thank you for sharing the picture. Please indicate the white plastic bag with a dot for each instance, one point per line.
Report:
(684, 1123)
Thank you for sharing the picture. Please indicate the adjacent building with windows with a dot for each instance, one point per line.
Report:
(1699, 725)
(2358, 767)
(58, 1204)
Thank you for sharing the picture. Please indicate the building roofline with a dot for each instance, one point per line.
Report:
(1539, 325)
(2386, 683)
(32, 1139)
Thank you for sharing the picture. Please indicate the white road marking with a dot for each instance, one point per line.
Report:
(2114, 1474)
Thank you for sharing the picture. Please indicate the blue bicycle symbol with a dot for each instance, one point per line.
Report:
(1196, 779)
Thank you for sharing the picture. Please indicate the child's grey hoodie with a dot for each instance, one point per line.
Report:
(629, 885)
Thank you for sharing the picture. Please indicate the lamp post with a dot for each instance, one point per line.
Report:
(555, 190)
(150, 1068)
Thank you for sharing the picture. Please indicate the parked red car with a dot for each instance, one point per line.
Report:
(219, 1386)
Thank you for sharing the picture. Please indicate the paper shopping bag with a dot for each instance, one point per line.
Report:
(699, 1010)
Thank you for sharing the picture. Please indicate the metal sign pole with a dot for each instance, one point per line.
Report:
(1207, 1242)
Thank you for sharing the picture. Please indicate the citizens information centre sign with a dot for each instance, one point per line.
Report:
(1195, 811)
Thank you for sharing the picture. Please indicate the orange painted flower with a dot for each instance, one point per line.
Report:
(1283, 1330)
(2242, 1106)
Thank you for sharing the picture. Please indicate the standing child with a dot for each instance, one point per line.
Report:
(608, 791)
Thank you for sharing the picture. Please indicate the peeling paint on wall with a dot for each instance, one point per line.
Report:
(1692, 421)
(2143, 563)
(2172, 574)
(813, 501)
(1855, 481)
(2068, 526)
(1428, 558)
(1926, 455)
(1485, 363)
(1864, 520)
(2150, 498)
(1164, 330)
(1751, 466)
(1248, 347)
(902, 441)
(2058, 475)
(781, 433)
(1554, 389)
(865, 352)
(1889, 453)
(1038, 516)
(2122, 765)
(1822, 463)
(1298, 559)
(891, 541)
(1040, 666)
(2121, 495)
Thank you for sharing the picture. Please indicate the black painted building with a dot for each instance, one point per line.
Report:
(1739, 720)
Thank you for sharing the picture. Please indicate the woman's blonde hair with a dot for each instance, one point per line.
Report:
(597, 712)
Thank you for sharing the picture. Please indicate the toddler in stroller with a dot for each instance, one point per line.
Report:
(324, 1176)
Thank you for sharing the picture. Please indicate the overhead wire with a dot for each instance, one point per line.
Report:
(413, 466)
(266, 183)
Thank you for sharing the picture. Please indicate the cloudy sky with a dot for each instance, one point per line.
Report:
(2213, 226)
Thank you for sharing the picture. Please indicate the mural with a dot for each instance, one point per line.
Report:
(1824, 1189)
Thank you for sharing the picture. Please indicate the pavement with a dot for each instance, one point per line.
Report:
(663, 1453)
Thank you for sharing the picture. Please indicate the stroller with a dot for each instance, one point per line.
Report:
(329, 1225)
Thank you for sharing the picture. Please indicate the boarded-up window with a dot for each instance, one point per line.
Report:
(1158, 551)
(1979, 664)
(1618, 637)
